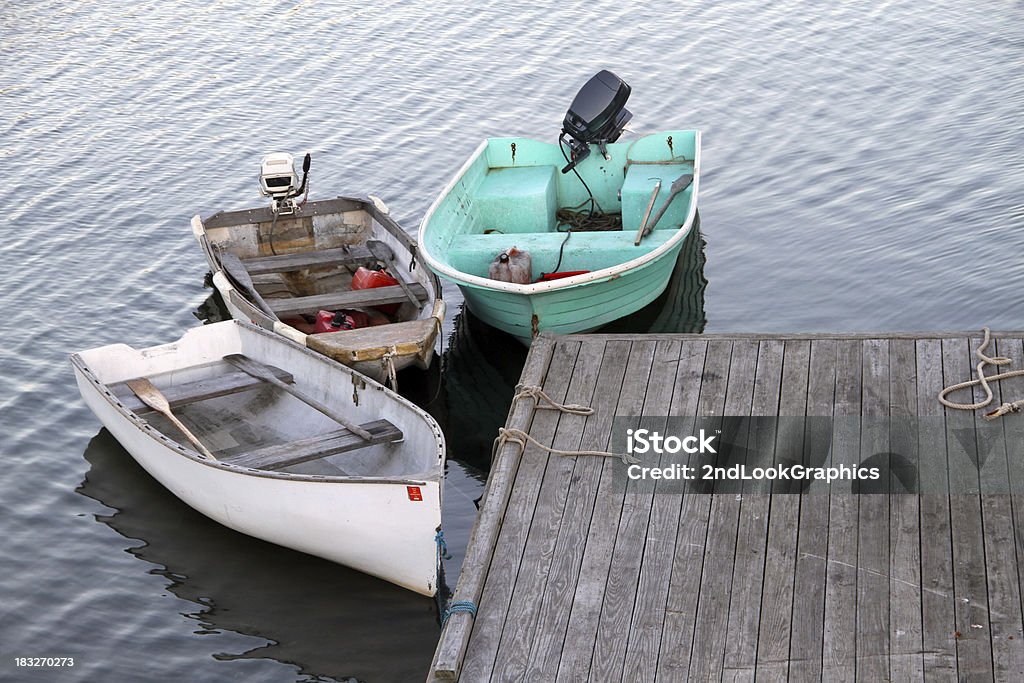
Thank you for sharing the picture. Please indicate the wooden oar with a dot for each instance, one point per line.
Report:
(642, 232)
(152, 397)
(681, 183)
(383, 252)
(234, 267)
(262, 372)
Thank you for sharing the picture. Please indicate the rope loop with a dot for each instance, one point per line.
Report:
(458, 606)
(521, 438)
(387, 363)
(983, 381)
(538, 395)
(442, 547)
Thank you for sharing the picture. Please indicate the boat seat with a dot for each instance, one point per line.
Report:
(282, 263)
(372, 343)
(315, 447)
(201, 390)
(517, 199)
(473, 254)
(637, 189)
(349, 299)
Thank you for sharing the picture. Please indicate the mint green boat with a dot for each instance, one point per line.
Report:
(511, 193)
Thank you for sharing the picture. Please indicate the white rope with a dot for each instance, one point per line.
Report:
(387, 362)
(982, 380)
(520, 438)
(538, 395)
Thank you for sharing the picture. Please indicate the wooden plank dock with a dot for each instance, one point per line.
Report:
(576, 574)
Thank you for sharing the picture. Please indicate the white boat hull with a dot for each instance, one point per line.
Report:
(371, 524)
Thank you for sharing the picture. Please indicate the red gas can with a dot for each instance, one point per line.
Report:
(365, 278)
(330, 321)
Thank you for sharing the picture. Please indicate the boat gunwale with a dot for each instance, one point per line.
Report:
(596, 276)
(143, 426)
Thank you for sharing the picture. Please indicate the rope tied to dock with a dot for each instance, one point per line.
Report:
(521, 438)
(458, 606)
(538, 395)
(983, 381)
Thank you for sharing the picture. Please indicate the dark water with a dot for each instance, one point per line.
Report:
(862, 171)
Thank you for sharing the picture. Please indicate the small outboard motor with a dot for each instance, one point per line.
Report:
(596, 116)
(279, 181)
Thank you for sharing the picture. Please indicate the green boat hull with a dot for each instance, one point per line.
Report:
(507, 196)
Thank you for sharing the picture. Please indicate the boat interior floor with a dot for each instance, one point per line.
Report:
(248, 422)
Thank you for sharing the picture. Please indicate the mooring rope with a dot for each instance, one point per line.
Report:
(538, 395)
(521, 438)
(458, 606)
(1005, 408)
(387, 362)
(442, 547)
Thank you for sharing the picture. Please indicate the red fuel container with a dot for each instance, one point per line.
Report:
(365, 278)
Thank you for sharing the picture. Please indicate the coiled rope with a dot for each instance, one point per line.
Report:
(982, 380)
(521, 438)
(585, 221)
(458, 606)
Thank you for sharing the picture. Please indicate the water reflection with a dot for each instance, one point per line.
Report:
(332, 623)
(680, 308)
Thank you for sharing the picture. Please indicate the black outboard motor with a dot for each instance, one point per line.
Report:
(596, 116)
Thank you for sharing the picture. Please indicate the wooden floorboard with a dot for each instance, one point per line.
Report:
(691, 538)
(906, 661)
(973, 641)
(938, 619)
(580, 575)
(508, 552)
(555, 606)
(585, 611)
(752, 524)
(707, 656)
(812, 540)
(535, 565)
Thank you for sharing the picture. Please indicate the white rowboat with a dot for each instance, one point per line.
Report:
(282, 470)
(278, 270)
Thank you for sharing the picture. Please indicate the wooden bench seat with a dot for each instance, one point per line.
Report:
(192, 392)
(350, 299)
(282, 263)
(315, 447)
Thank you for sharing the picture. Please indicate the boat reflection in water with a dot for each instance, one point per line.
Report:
(481, 366)
(331, 622)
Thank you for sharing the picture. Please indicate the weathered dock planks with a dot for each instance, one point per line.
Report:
(579, 576)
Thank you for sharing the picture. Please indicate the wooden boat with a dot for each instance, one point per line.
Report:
(510, 194)
(268, 460)
(277, 271)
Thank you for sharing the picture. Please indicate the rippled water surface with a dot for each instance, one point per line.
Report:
(863, 170)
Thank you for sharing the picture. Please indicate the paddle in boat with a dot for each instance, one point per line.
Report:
(568, 236)
(337, 275)
(276, 441)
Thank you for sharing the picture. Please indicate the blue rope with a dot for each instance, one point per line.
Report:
(458, 606)
(442, 547)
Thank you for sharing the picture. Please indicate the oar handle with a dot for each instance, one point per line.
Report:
(191, 437)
